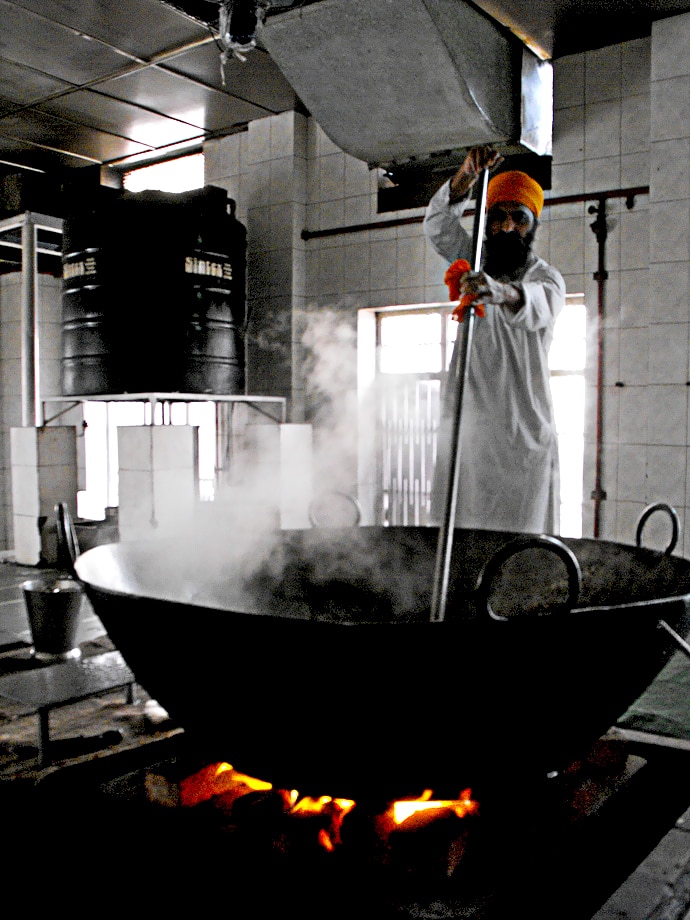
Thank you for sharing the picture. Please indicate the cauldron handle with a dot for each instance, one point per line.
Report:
(542, 541)
(683, 646)
(675, 522)
(350, 500)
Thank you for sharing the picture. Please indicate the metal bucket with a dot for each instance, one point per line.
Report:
(54, 608)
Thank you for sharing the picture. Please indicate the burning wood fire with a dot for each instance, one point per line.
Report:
(218, 779)
(425, 809)
(223, 786)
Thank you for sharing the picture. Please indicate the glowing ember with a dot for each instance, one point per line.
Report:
(312, 806)
(221, 780)
(218, 779)
(333, 809)
(462, 806)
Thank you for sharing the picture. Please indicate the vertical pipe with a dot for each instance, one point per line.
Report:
(600, 229)
(461, 370)
(29, 371)
(111, 498)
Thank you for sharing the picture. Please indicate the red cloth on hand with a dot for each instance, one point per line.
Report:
(452, 278)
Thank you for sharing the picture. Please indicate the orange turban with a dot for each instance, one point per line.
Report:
(514, 185)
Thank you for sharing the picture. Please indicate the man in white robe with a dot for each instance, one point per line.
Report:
(508, 462)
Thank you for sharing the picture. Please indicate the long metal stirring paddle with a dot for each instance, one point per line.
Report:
(444, 547)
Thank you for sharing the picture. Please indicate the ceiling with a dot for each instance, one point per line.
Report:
(111, 84)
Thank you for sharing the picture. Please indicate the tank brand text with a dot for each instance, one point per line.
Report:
(83, 267)
(196, 266)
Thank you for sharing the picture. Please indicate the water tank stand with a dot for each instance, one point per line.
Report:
(28, 225)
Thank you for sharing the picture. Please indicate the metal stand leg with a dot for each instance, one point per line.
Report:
(44, 736)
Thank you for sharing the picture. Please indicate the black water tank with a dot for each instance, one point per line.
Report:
(154, 294)
(88, 357)
(211, 329)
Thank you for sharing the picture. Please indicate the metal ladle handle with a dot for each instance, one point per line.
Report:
(444, 546)
(552, 544)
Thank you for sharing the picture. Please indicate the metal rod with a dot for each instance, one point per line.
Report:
(628, 193)
(445, 538)
(679, 640)
(600, 229)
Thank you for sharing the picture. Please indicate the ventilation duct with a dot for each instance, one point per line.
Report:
(391, 81)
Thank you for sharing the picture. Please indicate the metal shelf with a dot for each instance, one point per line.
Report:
(163, 397)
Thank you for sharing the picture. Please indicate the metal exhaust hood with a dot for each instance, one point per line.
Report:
(398, 81)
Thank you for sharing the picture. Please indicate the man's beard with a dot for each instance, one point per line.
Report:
(508, 254)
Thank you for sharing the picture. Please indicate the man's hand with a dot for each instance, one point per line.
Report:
(453, 277)
(477, 159)
(481, 286)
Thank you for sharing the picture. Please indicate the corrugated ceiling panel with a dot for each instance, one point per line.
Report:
(258, 79)
(20, 85)
(207, 109)
(14, 151)
(120, 118)
(31, 40)
(87, 143)
(140, 27)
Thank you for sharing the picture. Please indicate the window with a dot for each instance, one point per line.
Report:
(567, 366)
(179, 175)
(414, 347)
(413, 343)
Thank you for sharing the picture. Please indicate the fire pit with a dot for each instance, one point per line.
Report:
(118, 825)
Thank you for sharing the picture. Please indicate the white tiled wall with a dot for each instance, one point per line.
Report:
(601, 142)
(667, 456)
(621, 120)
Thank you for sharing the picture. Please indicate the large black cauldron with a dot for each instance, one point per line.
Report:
(309, 659)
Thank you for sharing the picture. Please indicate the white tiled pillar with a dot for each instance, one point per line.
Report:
(265, 170)
(44, 472)
(295, 475)
(48, 344)
(276, 215)
(158, 474)
(271, 484)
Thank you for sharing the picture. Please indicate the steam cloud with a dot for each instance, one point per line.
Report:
(233, 554)
(330, 376)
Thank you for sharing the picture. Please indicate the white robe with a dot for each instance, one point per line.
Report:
(508, 465)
